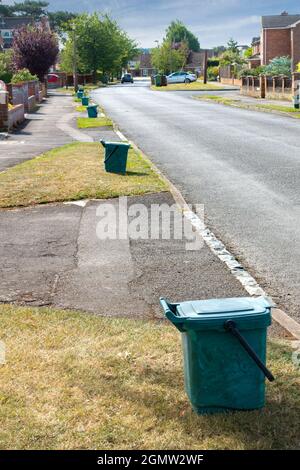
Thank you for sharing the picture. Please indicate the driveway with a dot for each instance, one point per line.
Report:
(242, 165)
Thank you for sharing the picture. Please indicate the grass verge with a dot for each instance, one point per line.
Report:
(72, 172)
(81, 109)
(255, 106)
(75, 381)
(86, 123)
(194, 86)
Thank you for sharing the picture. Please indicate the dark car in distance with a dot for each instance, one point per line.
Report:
(127, 78)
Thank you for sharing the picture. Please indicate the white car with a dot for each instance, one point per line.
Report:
(181, 77)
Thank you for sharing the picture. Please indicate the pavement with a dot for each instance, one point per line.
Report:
(42, 131)
(51, 255)
(243, 166)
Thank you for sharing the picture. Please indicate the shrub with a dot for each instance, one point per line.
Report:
(279, 66)
(252, 72)
(23, 75)
(212, 73)
(6, 66)
(298, 67)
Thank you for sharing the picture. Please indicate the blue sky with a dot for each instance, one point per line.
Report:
(213, 21)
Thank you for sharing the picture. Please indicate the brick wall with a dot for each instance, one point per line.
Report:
(296, 46)
(276, 43)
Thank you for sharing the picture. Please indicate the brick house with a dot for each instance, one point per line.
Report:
(141, 65)
(8, 26)
(280, 36)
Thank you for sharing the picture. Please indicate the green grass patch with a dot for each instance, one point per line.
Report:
(78, 381)
(194, 86)
(253, 106)
(86, 123)
(81, 109)
(72, 172)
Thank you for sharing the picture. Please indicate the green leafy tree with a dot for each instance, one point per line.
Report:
(166, 59)
(279, 66)
(232, 46)
(248, 53)
(101, 46)
(59, 19)
(36, 9)
(219, 50)
(6, 66)
(177, 32)
(6, 10)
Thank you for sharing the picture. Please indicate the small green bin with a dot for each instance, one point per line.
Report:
(92, 110)
(85, 100)
(80, 94)
(224, 346)
(157, 80)
(116, 154)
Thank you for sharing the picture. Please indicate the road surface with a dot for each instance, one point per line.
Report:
(242, 165)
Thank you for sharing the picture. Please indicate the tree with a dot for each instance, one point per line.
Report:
(36, 9)
(59, 19)
(6, 10)
(279, 66)
(177, 32)
(35, 49)
(166, 59)
(232, 55)
(100, 44)
(219, 50)
(6, 66)
(232, 46)
(248, 53)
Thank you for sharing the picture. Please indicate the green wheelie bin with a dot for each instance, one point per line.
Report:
(224, 347)
(116, 154)
(80, 94)
(85, 101)
(92, 110)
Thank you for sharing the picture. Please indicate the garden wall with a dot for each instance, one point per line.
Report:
(273, 88)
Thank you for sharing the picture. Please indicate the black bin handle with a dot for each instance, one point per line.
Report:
(231, 327)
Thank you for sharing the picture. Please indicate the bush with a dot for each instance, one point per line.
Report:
(298, 67)
(279, 66)
(23, 76)
(212, 73)
(252, 72)
(6, 72)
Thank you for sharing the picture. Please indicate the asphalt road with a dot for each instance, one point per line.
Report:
(242, 165)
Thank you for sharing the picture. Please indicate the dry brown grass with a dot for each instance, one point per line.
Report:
(74, 172)
(76, 381)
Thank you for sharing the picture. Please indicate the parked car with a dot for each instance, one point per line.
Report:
(127, 78)
(181, 77)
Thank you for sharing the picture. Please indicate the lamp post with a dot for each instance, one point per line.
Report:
(75, 74)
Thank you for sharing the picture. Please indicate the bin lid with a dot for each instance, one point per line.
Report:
(215, 311)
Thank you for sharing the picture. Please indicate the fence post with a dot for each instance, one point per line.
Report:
(262, 86)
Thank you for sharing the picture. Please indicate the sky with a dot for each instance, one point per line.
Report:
(212, 21)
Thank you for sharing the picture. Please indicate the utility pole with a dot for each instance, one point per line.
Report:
(205, 67)
(75, 75)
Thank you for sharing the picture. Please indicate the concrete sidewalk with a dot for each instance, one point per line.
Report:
(42, 131)
(52, 256)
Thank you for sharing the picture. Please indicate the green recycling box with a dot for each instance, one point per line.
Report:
(116, 154)
(224, 346)
(92, 110)
(85, 101)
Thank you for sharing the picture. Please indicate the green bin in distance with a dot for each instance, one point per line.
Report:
(116, 154)
(92, 110)
(157, 79)
(85, 101)
(224, 347)
(80, 94)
